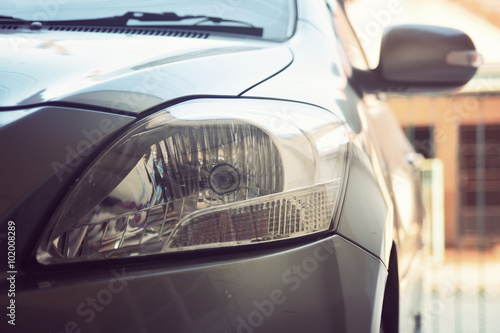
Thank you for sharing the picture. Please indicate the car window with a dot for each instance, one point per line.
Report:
(276, 17)
(350, 43)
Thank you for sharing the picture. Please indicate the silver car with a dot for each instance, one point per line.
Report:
(210, 166)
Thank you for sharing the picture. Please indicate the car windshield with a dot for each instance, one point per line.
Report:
(276, 17)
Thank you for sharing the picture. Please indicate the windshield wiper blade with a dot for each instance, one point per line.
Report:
(124, 20)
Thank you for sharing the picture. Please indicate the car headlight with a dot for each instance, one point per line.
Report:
(205, 174)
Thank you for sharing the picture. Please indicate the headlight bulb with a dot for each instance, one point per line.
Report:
(224, 178)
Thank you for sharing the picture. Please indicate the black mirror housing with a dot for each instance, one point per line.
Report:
(421, 58)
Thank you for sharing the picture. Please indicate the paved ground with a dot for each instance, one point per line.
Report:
(463, 293)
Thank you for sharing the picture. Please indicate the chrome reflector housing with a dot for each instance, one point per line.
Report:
(205, 174)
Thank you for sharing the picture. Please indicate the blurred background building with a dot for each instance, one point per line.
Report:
(459, 134)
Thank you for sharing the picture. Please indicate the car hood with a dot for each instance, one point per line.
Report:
(129, 72)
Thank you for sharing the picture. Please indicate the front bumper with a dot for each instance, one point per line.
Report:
(330, 285)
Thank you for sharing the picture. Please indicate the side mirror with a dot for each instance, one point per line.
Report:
(420, 58)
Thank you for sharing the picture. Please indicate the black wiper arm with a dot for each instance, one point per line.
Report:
(2, 17)
(123, 21)
(173, 17)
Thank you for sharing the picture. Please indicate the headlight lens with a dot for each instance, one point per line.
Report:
(205, 174)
